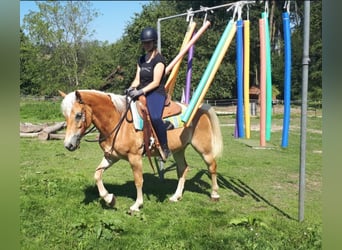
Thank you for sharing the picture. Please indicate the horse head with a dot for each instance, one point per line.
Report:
(78, 116)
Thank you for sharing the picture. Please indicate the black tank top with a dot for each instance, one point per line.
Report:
(146, 72)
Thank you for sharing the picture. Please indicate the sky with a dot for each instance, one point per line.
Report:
(110, 24)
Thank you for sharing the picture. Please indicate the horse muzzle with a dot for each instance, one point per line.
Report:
(72, 144)
(71, 147)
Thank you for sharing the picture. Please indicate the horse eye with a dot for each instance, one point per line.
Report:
(78, 116)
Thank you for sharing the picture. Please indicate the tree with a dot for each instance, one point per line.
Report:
(28, 66)
(59, 29)
(56, 47)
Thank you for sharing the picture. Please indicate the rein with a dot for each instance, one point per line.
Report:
(89, 131)
(116, 128)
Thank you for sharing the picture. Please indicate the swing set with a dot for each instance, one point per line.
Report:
(236, 25)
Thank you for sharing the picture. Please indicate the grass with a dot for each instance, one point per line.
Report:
(39, 111)
(60, 207)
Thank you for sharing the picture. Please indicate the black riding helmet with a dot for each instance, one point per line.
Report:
(148, 34)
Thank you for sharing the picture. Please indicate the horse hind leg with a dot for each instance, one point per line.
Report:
(212, 166)
(182, 170)
(207, 141)
(109, 198)
(210, 161)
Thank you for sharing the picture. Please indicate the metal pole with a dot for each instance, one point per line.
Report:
(159, 40)
(202, 9)
(305, 70)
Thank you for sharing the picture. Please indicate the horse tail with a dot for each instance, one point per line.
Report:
(216, 139)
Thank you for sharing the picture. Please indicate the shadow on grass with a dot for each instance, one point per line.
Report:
(242, 189)
(152, 187)
(162, 189)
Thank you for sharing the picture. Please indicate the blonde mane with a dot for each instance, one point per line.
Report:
(118, 101)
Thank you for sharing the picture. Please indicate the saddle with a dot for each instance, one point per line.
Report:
(171, 108)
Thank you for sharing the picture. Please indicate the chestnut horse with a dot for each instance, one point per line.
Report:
(120, 140)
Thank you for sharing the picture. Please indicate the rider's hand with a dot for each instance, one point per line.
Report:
(127, 91)
(134, 94)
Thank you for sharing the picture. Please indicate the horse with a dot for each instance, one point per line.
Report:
(119, 140)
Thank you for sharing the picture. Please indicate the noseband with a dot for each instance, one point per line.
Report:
(84, 121)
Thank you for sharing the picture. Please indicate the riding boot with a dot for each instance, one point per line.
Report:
(166, 152)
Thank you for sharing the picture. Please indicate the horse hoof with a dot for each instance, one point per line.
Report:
(174, 199)
(135, 208)
(215, 199)
(112, 202)
(130, 212)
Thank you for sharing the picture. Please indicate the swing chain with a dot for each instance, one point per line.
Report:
(287, 6)
(189, 15)
(246, 3)
(206, 9)
(247, 11)
(266, 5)
(239, 11)
(234, 13)
(238, 6)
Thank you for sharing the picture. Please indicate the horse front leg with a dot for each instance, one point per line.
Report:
(136, 165)
(109, 198)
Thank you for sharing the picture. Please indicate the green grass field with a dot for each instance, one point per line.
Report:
(258, 209)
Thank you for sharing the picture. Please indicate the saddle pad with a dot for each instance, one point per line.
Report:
(137, 119)
(139, 122)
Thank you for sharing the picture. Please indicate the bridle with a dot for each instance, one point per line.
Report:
(114, 130)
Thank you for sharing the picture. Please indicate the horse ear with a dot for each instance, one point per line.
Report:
(61, 93)
(78, 97)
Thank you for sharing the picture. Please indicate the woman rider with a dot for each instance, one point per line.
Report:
(150, 81)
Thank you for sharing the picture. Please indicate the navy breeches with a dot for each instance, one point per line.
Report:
(155, 105)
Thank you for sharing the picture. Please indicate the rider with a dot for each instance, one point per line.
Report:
(150, 81)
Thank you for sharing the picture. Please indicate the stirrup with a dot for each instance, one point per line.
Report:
(164, 153)
(162, 156)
